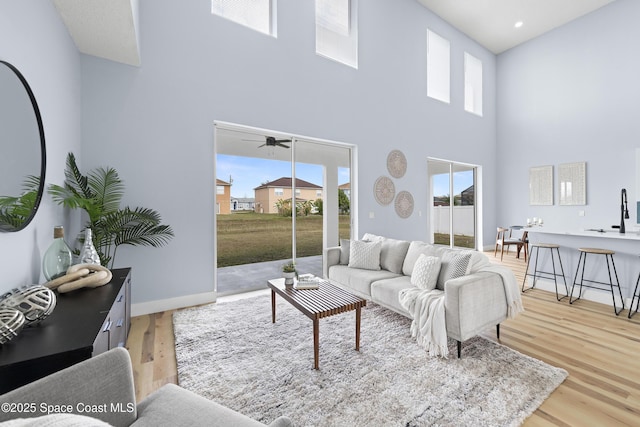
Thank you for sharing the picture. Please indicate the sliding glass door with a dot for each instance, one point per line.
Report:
(453, 208)
(287, 203)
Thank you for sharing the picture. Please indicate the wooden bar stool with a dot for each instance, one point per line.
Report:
(608, 255)
(535, 248)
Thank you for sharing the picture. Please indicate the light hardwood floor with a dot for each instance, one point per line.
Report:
(600, 351)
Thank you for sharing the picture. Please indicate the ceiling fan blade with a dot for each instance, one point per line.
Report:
(282, 140)
(261, 145)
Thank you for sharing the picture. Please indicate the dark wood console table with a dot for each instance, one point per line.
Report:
(85, 322)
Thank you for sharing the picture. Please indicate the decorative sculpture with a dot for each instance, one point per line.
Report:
(11, 322)
(81, 276)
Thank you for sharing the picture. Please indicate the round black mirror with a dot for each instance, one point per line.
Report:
(23, 159)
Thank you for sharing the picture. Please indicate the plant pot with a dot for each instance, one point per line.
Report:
(288, 278)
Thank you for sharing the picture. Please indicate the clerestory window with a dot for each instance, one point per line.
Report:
(256, 14)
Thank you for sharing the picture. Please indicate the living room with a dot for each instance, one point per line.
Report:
(569, 95)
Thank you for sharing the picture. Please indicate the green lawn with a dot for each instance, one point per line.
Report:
(459, 240)
(248, 237)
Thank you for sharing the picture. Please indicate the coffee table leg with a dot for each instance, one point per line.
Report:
(358, 329)
(316, 343)
(273, 307)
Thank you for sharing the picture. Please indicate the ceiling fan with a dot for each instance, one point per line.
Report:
(270, 141)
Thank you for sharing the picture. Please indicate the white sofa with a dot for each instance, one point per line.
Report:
(100, 392)
(474, 301)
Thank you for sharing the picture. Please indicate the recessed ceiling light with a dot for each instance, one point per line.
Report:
(519, 24)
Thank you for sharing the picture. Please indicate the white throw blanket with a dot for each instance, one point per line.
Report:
(428, 325)
(427, 309)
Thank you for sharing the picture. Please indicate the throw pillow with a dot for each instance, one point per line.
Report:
(372, 237)
(425, 272)
(345, 247)
(453, 265)
(415, 249)
(365, 255)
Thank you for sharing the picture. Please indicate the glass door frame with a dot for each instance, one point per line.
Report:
(328, 240)
(477, 216)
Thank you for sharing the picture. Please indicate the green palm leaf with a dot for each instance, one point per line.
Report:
(99, 193)
(107, 187)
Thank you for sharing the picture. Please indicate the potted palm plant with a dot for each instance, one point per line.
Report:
(99, 194)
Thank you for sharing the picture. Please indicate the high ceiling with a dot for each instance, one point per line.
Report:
(108, 28)
(103, 28)
(492, 22)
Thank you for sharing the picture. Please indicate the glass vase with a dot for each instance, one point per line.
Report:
(57, 258)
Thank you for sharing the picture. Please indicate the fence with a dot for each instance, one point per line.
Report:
(463, 220)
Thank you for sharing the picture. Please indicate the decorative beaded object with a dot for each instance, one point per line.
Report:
(11, 322)
(35, 302)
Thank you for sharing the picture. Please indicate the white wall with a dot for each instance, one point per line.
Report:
(33, 39)
(569, 96)
(154, 124)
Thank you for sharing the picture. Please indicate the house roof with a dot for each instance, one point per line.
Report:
(221, 182)
(345, 186)
(285, 182)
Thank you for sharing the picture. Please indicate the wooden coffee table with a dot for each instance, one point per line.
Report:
(325, 301)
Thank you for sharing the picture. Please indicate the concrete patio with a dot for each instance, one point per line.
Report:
(251, 277)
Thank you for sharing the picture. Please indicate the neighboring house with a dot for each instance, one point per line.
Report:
(269, 193)
(242, 204)
(468, 196)
(346, 188)
(223, 197)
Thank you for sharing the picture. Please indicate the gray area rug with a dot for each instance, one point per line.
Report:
(231, 353)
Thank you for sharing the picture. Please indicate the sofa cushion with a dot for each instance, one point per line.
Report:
(386, 292)
(345, 247)
(477, 261)
(416, 248)
(357, 279)
(56, 420)
(425, 272)
(392, 253)
(365, 255)
(172, 405)
(454, 264)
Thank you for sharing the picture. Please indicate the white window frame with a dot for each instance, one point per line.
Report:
(472, 84)
(338, 39)
(279, 191)
(438, 67)
(219, 189)
(230, 9)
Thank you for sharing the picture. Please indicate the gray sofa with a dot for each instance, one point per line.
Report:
(102, 388)
(474, 302)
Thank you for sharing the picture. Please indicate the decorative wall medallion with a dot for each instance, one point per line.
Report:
(404, 204)
(396, 163)
(384, 190)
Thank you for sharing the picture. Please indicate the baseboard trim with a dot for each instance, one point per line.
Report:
(140, 309)
(600, 296)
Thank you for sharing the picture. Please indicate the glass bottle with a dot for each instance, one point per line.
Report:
(88, 254)
(57, 258)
